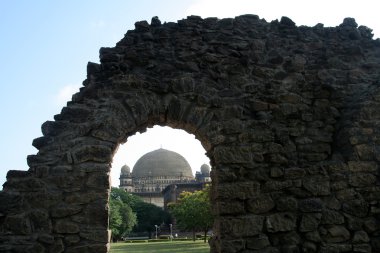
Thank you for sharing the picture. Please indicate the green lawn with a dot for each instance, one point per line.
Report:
(161, 247)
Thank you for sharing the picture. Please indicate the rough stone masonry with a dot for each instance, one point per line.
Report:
(289, 116)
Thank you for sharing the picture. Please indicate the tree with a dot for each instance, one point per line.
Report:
(122, 218)
(146, 215)
(193, 211)
(149, 215)
(129, 199)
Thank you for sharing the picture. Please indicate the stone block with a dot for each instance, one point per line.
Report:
(40, 221)
(10, 202)
(361, 179)
(95, 235)
(18, 224)
(78, 198)
(353, 223)
(273, 185)
(360, 237)
(276, 172)
(286, 203)
(337, 234)
(66, 227)
(362, 166)
(57, 247)
(71, 239)
(65, 210)
(259, 242)
(91, 248)
(294, 173)
(94, 214)
(46, 238)
(317, 185)
(95, 153)
(231, 246)
(310, 222)
(98, 180)
(281, 222)
(371, 224)
(362, 248)
(309, 247)
(241, 226)
(230, 207)
(313, 236)
(310, 205)
(331, 217)
(260, 204)
(356, 207)
(238, 190)
(365, 152)
(235, 154)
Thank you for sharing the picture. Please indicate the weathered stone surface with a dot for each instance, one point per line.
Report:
(230, 207)
(96, 153)
(96, 235)
(66, 227)
(309, 247)
(281, 222)
(65, 210)
(40, 221)
(260, 204)
(310, 205)
(360, 237)
(88, 248)
(294, 173)
(362, 248)
(331, 217)
(57, 246)
(317, 185)
(18, 224)
(356, 207)
(259, 242)
(288, 116)
(249, 225)
(337, 234)
(313, 236)
(361, 179)
(286, 204)
(71, 239)
(310, 222)
(239, 190)
(46, 238)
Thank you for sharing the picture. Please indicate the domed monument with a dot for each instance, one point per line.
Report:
(156, 170)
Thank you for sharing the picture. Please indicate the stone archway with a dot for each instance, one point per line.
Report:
(287, 116)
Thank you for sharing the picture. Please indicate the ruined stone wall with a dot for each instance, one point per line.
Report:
(288, 115)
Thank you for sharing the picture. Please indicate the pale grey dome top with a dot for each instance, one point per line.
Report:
(162, 162)
(125, 170)
(205, 169)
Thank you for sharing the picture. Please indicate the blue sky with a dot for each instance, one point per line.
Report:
(45, 47)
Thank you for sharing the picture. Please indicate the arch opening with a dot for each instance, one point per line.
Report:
(157, 166)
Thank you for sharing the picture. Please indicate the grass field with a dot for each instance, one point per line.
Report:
(161, 247)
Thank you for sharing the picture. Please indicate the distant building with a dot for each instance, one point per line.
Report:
(159, 171)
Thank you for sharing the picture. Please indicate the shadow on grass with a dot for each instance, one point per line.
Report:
(161, 247)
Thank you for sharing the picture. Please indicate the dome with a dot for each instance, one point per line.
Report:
(125, 170)
(162, 162)
(205, 169)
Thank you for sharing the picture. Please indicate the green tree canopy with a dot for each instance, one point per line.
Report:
(130, 199)
(122, 218)
(193, 211)
(146, 215)
(149, 215)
